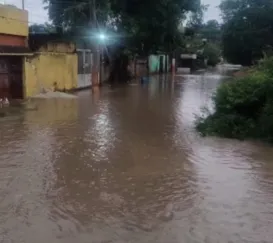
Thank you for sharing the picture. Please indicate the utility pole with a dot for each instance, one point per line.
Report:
(23, 4)
(94, 28)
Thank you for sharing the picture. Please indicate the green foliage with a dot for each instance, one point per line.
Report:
(41, 28)
(75, 15)
(210, 49)
(247, 31)
(196, 18)
(212, 53)
(243, 107)
(149, 25)
(211, 31)
(230, 8)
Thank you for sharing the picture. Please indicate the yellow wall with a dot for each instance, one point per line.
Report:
(13, 21)
(58, 47)
(47, 71)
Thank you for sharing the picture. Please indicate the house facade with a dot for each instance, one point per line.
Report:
(30, 64)
(13, 49)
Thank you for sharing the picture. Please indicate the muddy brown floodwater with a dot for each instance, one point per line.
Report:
(125, 165)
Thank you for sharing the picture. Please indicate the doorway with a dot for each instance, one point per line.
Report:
(161, 64)
(11, 77)
(4, 79)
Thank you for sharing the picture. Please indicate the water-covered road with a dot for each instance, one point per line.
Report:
(125, 165)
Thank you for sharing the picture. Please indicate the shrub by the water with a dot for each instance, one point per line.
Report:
(243, 107)
(212, 54)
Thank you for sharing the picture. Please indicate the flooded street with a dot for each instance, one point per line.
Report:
(126, 165)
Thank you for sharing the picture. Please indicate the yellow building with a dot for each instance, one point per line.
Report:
(13, 21)
(13, 46)
(32, 64)
(53, 65)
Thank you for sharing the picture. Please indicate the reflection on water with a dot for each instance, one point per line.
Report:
(125, 165)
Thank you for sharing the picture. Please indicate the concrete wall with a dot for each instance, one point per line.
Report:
(59, 47)
(13, 21)
(49, 71)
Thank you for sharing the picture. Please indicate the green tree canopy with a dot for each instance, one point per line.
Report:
(41, 28)
(211, 31)
(248, 29)
(230, 8)
(151, 25)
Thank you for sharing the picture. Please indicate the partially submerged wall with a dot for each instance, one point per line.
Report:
(50, 71)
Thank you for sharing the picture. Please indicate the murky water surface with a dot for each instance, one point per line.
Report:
(125, 165)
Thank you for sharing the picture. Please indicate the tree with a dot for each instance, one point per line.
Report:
(212, 54)
(143, 26)
(196, 19)
(150, 25)
(76, 15)
(42, 28)
(230, 8)
(248, 30)
(211, 31)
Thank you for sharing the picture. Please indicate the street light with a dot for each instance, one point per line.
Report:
(102, 37)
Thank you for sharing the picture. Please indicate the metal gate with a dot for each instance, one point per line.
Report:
(4, 79)
(85, 61)
(11, 80)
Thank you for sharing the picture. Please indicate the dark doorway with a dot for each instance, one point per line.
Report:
(4, 79)
(161, 64)
(16, 77)
(11, 77)
(187, 63)
(166, 64)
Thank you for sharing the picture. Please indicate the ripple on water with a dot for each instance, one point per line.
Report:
(126, 165)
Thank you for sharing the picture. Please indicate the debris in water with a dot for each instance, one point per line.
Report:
(54, 94)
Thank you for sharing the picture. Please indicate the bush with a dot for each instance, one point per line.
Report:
(212, 54)
(243, 107)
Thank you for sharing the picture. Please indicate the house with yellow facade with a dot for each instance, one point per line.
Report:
(32, 64)
(13, 49)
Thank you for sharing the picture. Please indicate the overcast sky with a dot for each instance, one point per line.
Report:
(37, 13)
(213, 11)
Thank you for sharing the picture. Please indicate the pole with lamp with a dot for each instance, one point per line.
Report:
(94, 26)
(102, 39)
(98, 43)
